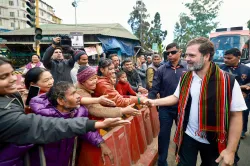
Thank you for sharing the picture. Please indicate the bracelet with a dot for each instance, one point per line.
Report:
(139, 101)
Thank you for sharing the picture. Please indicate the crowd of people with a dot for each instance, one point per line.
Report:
(75, 100)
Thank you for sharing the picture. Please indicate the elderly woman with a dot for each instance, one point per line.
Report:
(87, 79)
(35, 62)
(104, 86)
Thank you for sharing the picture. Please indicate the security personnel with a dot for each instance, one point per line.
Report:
(242, 75)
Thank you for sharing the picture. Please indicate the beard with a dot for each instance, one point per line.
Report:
(157, 64)
(196, 66)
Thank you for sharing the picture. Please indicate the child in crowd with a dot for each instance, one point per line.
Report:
(123, 87)
(113, 80)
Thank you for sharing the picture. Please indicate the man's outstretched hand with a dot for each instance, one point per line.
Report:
(111, 122)
(103, 100)
(148, 102)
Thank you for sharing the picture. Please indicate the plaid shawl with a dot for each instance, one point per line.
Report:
(214, 105)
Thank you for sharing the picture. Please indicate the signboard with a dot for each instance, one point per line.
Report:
(90, 51)
(77, 39)
(155, 47)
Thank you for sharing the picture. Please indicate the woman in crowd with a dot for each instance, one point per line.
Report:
(87, 79)
(104, 86)
(19, 131)
(35, 62)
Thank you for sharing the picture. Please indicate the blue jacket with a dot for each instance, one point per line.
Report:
(242, 75)
(165, 81)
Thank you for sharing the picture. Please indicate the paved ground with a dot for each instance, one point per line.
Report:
(244, 151)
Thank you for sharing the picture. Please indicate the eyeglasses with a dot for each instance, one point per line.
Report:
(172, 52)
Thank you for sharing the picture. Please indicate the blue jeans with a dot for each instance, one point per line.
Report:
(166, 117)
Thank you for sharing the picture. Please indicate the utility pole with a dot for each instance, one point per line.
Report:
(139, 8)
(75, 4)
(37, 26)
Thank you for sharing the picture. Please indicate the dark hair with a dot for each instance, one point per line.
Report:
(4, 60)
(172, 45)
(206, 46)
(119, 74)
(82, 68)
(58, 48)
(58, 92)
(126, 60)
(102, 64)
(36, 55)
(33, 75)
(156, 55)
(233, 51)
(112, 55)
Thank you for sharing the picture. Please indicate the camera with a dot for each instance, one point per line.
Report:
(65, 40)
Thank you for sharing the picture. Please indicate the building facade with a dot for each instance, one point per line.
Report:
(13, 14)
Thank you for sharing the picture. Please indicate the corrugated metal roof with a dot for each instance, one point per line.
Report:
(115, 30)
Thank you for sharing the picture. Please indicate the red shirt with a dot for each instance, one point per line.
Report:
(125, 89)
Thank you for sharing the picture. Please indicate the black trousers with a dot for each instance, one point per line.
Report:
(189, 151)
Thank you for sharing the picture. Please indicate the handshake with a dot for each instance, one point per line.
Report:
(148, 102)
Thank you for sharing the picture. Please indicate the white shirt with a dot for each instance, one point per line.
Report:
(237, 104)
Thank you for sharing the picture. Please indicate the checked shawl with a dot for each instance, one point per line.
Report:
(214, 105)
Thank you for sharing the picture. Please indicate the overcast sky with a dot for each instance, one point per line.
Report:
(232, 12)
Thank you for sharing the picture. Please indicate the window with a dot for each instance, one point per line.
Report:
(12, 24)
(24, 15)
(11, 3)
(23, 4)
(42, 13)
(0, 11)
(1, 22)
(12, 14)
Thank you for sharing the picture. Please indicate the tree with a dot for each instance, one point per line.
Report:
(248, 24)
(157, 34)
(141, 28)
(137, 21)
(199, 22)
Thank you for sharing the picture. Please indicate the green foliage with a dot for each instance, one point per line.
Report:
(147, 33)
(158, 35)
(248, 24)
(199, 22)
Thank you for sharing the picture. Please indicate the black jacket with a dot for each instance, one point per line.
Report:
(133, 79)
(60, 70)
(20, 128)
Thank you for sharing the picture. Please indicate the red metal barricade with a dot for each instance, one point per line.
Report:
(133, 142)
(91, 155)
(141, 135)
(148, 126)
(121, 146)
(128, 144)
(155, 121)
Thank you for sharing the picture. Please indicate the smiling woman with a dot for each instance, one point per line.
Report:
(7, 79)
(39, 77)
